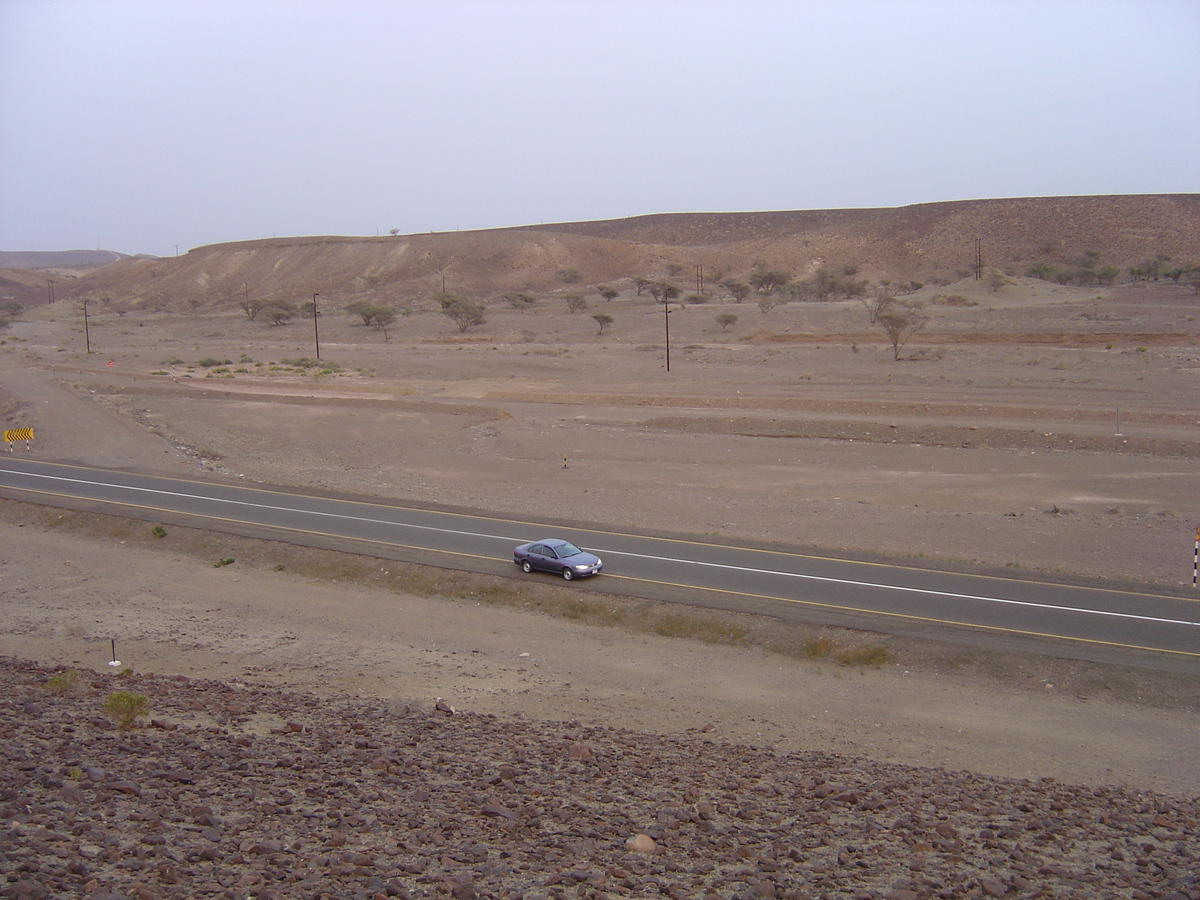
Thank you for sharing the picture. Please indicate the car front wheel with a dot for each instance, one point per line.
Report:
(526, 567)
(568, 574)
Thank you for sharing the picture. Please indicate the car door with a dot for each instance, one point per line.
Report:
(542, 557)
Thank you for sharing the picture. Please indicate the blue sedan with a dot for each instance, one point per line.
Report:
(560, 557)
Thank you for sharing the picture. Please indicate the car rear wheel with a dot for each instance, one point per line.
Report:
(526, 567)
(568, 574)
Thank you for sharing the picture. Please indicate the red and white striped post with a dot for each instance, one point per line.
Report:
(1196, 558)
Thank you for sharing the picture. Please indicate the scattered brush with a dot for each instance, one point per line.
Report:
(126, 707)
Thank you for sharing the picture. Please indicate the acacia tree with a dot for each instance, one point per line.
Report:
(877, 305)
(603, 320)
(900, 322)
(770, 280)
(737, 290)
(828, 285)
(726, 319)
(251, 308)
(608, 293)
(371, 313)
(464, 312)
(520, 300)
(576, 302)
(279, 312)
(382, 318)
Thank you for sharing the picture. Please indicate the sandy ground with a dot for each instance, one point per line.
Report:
(990, 452)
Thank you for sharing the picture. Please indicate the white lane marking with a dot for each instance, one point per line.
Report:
(908, 590)
(264, 506)
(692, 562)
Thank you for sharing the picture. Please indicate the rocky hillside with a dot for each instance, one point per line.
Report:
(926, 242)
(228, 790)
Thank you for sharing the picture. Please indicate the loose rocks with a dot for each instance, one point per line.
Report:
(351, 799)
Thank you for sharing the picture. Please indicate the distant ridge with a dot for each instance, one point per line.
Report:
(58, 259)
(931, 243)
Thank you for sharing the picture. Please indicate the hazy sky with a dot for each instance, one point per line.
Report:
(148, 125)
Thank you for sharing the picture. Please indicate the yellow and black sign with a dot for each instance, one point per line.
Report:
(18, 434)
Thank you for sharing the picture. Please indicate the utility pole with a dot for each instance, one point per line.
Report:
(316, 333)
(667, 326)
(978, 260)
(50, 290)
(87, 334)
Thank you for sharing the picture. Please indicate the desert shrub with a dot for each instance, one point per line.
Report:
(303, 362)
(64, 682)
(862, 655)
(867, 655)
(208, 362)
(520, 301)
(126, 707)
(279, 312)
(697, 628)
(464, 312)
(953, 300)
(818, 647)
(158, 531)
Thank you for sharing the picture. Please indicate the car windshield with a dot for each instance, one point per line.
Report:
(563, 550)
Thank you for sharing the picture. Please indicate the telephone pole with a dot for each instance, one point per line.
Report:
(316, 333)
(667, 326)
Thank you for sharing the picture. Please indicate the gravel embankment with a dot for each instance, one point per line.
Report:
(227, 790)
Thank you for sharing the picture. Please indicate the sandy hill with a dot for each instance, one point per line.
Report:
(932, 243)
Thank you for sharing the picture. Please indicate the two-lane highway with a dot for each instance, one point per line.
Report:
(1085, 621)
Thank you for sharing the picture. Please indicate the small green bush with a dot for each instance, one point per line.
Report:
(158, 531)
(61, 683)
(126, 707)
(208, 362)
(869, 655)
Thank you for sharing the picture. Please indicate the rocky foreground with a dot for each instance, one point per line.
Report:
(228, 790)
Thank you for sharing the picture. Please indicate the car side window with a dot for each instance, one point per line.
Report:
(550, 553)
(538, 549)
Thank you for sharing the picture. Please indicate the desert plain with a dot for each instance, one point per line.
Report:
(1033, 429)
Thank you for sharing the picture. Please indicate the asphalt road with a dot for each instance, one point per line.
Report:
(1090, 621)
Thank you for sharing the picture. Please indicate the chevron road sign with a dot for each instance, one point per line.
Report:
(18, 434)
